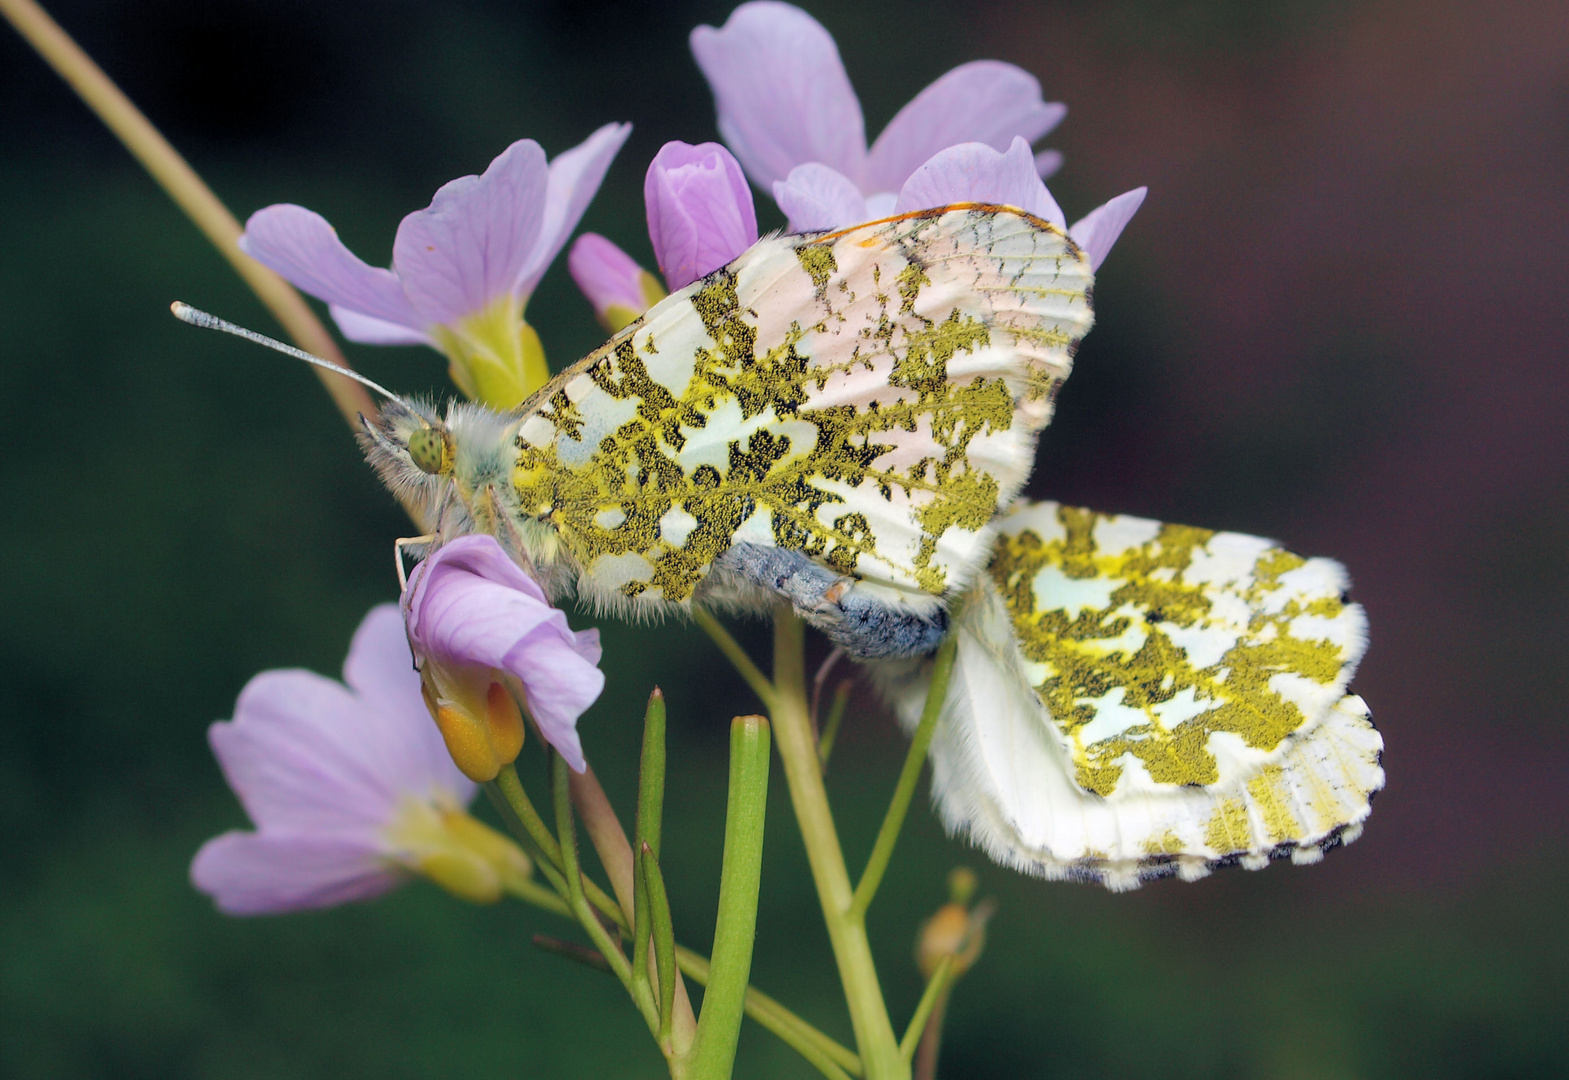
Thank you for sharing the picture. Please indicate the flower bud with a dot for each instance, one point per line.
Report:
(619, 288)
(477, 716)
(700, 213)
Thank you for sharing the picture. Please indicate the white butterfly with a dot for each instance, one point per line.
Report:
(841, 421)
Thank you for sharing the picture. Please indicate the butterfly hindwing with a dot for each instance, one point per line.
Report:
(868, 399)
(1132, 699)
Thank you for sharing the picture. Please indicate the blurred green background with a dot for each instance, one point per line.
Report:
(1340, 319)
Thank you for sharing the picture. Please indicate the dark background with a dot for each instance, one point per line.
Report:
(1340, 319)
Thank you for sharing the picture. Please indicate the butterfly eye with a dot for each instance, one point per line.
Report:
(428, 450)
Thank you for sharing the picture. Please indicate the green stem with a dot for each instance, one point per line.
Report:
(735, 929)
(935, 987)
(825, 742)
(560, 790)
(194, 198)
(846, 932)
(531, 892)
(517, 810)
(914, 759)
(664, 942)
(753, 675)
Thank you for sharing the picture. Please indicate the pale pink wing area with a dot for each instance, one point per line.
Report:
(299, 244)
(898, 374)
(974, 172)
(266, 874)
(781, 92)
(986, 101)
(468, 248)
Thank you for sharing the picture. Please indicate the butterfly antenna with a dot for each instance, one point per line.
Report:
(196, 317)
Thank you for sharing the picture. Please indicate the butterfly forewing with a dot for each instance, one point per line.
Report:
(1133, 698)
(869, 398)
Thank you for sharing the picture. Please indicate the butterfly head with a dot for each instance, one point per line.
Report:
(457, 467)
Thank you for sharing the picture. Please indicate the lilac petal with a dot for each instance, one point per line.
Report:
(304, 754)
(974, 172)
(468, 248)
(575, 177)
(299, 244)
(1096, 231)
(1047, 162)
(264, 874)
(369, 331)
(700, 212)
(781, 92)
(986, 101)
(470, 605)
(608, 276)
(815, 196)
(409, 750)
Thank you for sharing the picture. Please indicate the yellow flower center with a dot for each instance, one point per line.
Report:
(495, 357)
(461, 854)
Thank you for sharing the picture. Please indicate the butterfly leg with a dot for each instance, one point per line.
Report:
(865, 621)
(399, 546)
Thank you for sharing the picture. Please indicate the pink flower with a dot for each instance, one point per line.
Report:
(974, 172)
(350, 789)
(462, 269)
(700, 217)
(614, 283)
(484, 637)
(785, 101)
(700, 213)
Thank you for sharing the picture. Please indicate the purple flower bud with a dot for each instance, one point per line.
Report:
(618, 287)
(484, 637)
(700, 213)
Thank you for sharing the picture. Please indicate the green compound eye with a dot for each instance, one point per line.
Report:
(428, 450)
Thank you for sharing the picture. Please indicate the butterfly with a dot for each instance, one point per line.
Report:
(844, 422)
(832, 420)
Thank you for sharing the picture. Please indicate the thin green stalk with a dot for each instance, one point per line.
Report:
(517, 810)
(754, 677)
(935, 987)
(510, 787)
(825, 742)
(531, 892)
(647, 828)
(874, 1036)
(561, 796)
(664, 935)
(194, 198)
(735, 929)
(914, 759)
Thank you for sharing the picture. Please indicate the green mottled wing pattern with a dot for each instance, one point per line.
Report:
(869, 398)
(1133, 699)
